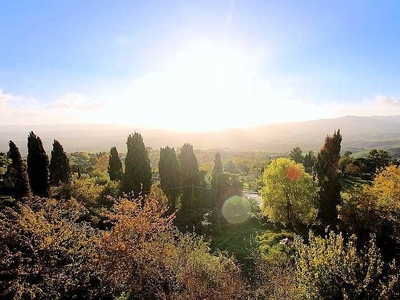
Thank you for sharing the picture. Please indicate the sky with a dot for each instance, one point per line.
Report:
(197, 65)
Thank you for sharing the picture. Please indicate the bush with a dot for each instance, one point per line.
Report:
(331, 268)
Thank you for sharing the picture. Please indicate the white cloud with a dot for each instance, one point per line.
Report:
(75, 101)
(68, 108)
(4, 99)
(381, 105)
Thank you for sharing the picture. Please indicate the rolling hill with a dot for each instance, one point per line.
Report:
(359, 133)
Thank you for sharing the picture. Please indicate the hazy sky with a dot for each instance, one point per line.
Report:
(197, 65)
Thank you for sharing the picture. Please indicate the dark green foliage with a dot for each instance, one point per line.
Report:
(17, 173)
(226, 186)
(309, 162)
(168, 168)
(377, 160)
(326, 168)
(4, 162)
(38, 164)
(189, 170)
(137, 176)
(296, 154)
(216, 170)
(60, 170)
(114, 165)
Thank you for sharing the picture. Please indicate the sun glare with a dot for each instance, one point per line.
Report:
(211, 77)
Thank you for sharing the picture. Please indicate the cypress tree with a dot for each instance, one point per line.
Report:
(326, 167)
(114, 165)
(218, 169)
(60, 170)
(189, 175)
(38, 164)
(17, 172)
(137, 176)
(168, 168)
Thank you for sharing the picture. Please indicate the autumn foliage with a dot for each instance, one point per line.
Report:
(48, 251)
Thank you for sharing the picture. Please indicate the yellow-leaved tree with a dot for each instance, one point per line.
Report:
(289, 193)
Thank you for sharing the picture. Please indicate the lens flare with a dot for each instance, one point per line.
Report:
(236, 209)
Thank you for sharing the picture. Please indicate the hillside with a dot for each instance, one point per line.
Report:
(358, 133)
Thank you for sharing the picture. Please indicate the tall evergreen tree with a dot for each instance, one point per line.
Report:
(114, 165)
(38, 164)
(309, 162)
(60, 170)
(189, 175)
(168, 168)
(218, 169)
(137, 176)
(17, 173)
(296, 154)
(326, 167)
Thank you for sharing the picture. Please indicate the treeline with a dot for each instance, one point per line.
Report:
(119, 229)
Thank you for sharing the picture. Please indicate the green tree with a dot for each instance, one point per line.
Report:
(114, 165)
(375, 209)
(378, 159)
(17, 173)
(309, 162)
(137, 176)
(289, 193)
(327, 167)
(226, 186)
(168, 168)
(296, 154)
(38, 164)
(60, 170)
(216, 170)
(189, 170)
(4, 162)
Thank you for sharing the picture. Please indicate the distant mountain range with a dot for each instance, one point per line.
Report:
(359, 134)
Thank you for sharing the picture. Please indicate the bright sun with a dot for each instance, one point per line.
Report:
(213, 78)
(207, 86)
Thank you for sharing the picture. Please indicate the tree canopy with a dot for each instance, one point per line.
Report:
(114, 165)
(168, 168)
(327, 167)
(38, 166)
(17, 173)
(289, 193)
(189, 170)
(137, 176)
(60, 170)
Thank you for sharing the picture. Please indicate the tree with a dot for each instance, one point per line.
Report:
(289, 193)
(189, 170)
(114, 165)
(168, 168)
(60, 170)
(38, 164)
(226, 186)
(309, 162)
(4, 162)
(326, 168)
(216, 170)
(137, 176)
(297, 155)
(378, 159)
(17, 173)
(375, 209)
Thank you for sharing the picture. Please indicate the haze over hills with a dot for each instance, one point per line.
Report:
(358, 133)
